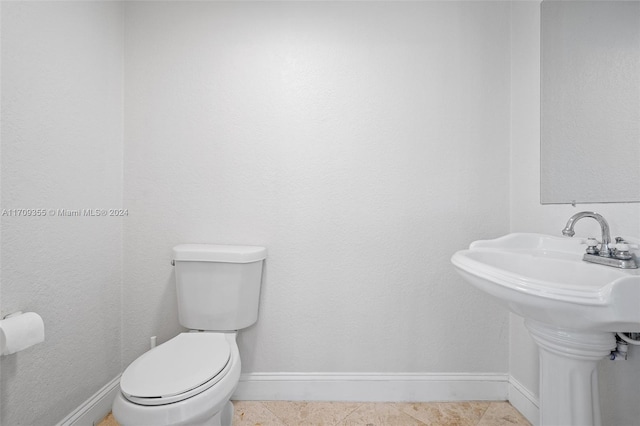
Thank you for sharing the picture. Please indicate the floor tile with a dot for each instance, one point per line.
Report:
(294, 413)
(299, 413)
(379, 414)
(108, 421)
(446, 413)
(502, 414)
(253, 413)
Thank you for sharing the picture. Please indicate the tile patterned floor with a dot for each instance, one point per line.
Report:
(295, 413)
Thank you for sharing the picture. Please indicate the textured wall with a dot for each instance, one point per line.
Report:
(590, 99)
(620, 381)
(361, 142)
(61, 149)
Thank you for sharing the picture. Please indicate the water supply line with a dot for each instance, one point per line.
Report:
(628, 339)
(623, 340)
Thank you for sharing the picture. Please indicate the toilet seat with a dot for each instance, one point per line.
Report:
(178, 369)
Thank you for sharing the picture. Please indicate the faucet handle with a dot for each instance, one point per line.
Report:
(625, 246)
(592, 246)
(592, 242)
(621, 244)
(621, 249)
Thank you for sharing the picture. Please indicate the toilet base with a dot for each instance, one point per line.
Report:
(222, 418)
(226, 415)
(212, 407)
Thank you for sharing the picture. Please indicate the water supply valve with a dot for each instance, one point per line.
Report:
(620, 354)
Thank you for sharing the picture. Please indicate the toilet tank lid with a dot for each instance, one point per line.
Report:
(218, 253)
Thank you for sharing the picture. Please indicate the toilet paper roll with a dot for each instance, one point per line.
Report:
(20, 332)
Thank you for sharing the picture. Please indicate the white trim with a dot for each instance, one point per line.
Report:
(372, 387)
(524, 401)
(368, 387)
(94, 409)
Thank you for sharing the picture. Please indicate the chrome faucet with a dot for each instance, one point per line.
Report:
(616, 255)
(604, 226)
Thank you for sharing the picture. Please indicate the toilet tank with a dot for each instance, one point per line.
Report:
(218, 286)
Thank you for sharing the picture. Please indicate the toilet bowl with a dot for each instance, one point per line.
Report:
(189, 379)
(174, 383)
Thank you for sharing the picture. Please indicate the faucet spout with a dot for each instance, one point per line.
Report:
(604, 226)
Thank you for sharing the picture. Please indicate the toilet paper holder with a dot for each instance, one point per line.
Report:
(19, 331)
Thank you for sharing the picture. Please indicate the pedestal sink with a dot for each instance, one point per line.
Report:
(571, 308)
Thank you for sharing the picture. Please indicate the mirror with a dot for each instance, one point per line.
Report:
(590, 102)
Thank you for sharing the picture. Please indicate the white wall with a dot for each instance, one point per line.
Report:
(361, 142)
(620, 381)
(61, 149)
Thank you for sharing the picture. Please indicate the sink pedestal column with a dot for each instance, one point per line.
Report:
(568, 376)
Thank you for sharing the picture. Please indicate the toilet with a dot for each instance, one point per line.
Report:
(189, 379)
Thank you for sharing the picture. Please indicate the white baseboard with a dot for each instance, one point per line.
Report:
(524, 401)
(95, 408)
(372, 387)
(367, 387)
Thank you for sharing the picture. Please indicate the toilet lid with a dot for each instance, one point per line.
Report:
(176, 367)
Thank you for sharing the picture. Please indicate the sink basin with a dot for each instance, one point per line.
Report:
(544, 278)
(571, 308)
